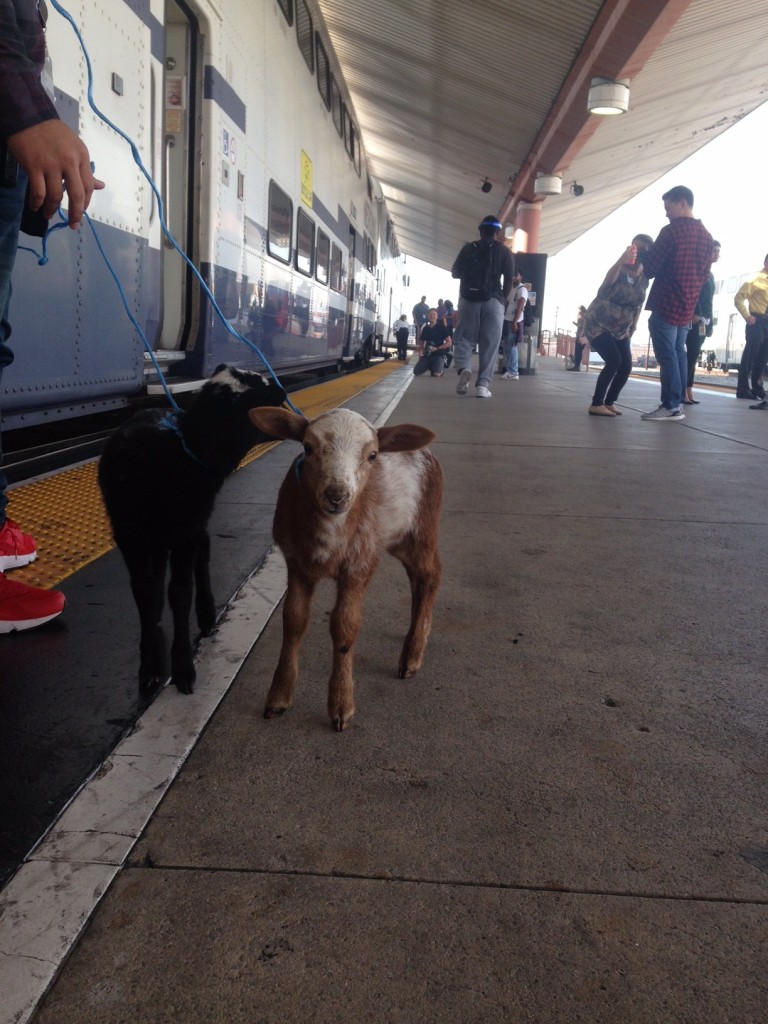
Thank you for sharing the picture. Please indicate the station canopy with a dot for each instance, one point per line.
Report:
(449, 94)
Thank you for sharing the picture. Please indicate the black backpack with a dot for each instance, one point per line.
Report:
(476, 270)
(527, 313)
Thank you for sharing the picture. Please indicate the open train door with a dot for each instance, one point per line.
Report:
(181, 103)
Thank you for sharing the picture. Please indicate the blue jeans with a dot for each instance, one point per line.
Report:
(512, 333)
(11, 204)
(480, 324)
(669, 348)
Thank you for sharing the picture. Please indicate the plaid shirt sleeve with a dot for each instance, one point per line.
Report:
(23, 100)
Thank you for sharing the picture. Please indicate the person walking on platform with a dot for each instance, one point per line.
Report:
(751, 300)
(38, 153)
(701, 328)
(679, 260)
(419, 312)
(610, 323)
(485, 269)
(401, 331)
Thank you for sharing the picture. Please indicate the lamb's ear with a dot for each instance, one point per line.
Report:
(405, 437)
(280, 423)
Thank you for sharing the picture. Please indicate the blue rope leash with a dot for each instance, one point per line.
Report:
(166, 231)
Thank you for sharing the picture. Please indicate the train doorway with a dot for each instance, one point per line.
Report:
(180, 105)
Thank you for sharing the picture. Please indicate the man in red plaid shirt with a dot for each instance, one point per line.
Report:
(679, 260)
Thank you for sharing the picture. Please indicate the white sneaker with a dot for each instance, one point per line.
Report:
(664, 414)
(482, 392)
(465, 376)
(510, 376)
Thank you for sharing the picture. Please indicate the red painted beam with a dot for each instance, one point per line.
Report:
(623, 37)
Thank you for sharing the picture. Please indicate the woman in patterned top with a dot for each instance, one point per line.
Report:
(610, 323)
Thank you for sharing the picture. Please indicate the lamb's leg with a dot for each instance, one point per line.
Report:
(345, 626)
(298, 600)
(147, 573)
(180, 599)
(205, 606)
(423, 568)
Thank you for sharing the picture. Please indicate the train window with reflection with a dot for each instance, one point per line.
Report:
(351, 140)
(305, 243)
(286, 6)
(322, 257)
(338, 282)
(280, 225)
(336, 106)
(304, 33)
(323, 71)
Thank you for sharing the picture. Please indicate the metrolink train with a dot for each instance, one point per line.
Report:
(242, 118)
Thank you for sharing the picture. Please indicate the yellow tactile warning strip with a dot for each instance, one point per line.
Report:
(65, 514)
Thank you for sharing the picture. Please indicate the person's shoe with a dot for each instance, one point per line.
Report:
(465, 376)
(23, 607)
(481, 392)
(759, 394)
(664, 414)
(600, 410)
(746, 394)
(760, 405)
(16, 547)
(510, 376)
(614, 410)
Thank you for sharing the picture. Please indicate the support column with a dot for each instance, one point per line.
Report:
(527, 220)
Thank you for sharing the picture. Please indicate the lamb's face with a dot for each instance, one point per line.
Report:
(340, 447)
(246, 387)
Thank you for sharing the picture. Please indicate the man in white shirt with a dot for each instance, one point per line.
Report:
(514, 326)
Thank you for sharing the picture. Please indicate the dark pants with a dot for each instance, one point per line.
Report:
(401, 337)
(617, 356)
(693, 344)
(578, 353)
(751, 367)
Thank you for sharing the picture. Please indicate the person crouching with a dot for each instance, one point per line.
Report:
(435, 342)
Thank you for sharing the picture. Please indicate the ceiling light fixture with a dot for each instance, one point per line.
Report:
(608, 97)
(548, 185)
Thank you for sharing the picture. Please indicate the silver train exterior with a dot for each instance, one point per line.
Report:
(242, 118)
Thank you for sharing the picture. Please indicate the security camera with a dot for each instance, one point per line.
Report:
(577, 190)
(486, 186)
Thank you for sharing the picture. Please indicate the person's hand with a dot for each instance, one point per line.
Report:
(630, 254)
(55, 160)
(751, 320)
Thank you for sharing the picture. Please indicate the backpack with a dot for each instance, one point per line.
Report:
(476, 270)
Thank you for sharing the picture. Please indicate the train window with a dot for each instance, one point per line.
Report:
(338, 282)
(304, 33)
(286, 6)
(351, 139)
(305, 243)
(369, 185)
(322, 257)
(280, 225)
(323, 71)
(336, 106)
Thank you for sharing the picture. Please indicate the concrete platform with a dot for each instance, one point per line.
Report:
(561, 818)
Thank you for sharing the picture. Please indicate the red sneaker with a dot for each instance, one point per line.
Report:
(22, 606)
(16, 547)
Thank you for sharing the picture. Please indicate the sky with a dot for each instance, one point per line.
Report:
(726, 177)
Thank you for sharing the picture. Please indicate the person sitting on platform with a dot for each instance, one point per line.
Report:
(434, 345)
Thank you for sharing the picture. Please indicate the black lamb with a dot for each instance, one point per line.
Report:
(159, 474)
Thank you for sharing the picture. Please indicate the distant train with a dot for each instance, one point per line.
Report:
(244, 121)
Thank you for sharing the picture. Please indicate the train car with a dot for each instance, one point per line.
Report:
(242, 118)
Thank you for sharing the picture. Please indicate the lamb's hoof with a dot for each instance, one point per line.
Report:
(184, 681)
(341, 722)
(150, 683)
(274, 712)
(406, 672)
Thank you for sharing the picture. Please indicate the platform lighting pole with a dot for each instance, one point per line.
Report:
(557, 310)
